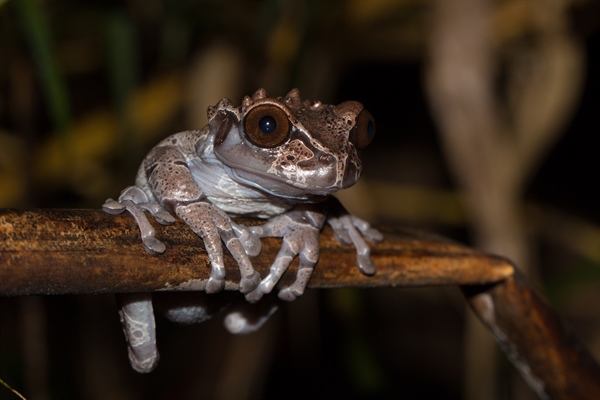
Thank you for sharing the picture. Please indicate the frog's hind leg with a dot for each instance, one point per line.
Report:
(135, 201)
(191, 307)
(244, 317)
(137, 319)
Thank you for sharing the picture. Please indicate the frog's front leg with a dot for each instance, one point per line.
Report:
(349, 229)
(299, 229)
(165, 182)
(214, 226)
(135, 201)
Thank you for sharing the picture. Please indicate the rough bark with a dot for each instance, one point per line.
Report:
(89, 251)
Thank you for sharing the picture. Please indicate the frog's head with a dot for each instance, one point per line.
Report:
(291, 147)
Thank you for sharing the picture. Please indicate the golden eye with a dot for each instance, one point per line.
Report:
(267, 126)
(364, 131)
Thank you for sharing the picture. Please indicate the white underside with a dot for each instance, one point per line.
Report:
(231, 196)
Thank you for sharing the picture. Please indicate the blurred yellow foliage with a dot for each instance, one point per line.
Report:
(360, 12)
(284, 41)
(95, 137)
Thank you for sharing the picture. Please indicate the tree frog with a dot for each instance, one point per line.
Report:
(277, 159)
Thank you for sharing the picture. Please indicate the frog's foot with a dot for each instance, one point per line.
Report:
(191, 307)
(249, 240)
(299, 239)
(346, 229)
(135, 201)
(214, 226)
(243, 317)
(137, 318)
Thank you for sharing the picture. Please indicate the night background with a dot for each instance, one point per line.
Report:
(87, 88)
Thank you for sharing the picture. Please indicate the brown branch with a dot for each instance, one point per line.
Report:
(88, 251)
(551, 360)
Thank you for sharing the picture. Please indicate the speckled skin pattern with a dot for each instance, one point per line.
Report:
(273, 158)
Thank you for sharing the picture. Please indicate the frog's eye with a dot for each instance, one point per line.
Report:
(267, 126)
(364, 131)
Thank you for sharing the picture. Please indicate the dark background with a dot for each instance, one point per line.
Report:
(87, 88)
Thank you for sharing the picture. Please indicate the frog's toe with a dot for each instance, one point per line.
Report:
(113, 207)
(236, 323)
(141, 365)
(254, 295)
(154, 246)
(246, 318)
(365, 264)
(214, 284)
(373, 235)
(250, 282)
(249, 240)
(252, 245)
(288, 294)
(163, 217)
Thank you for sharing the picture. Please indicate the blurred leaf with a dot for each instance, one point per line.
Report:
(12, 155)
(122, 60)
(121, 53)
(96, 138)
(35, 26)
(561, 288)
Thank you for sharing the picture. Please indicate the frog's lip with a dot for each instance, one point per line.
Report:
(299, 191)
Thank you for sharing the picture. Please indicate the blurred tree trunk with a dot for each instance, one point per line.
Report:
(494, 140)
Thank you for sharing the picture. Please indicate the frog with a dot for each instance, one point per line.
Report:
(277, 159)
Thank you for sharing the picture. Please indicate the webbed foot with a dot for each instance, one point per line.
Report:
(243, 317)
(251, 242)
(134, 200)
(350, 230)
(300, 238)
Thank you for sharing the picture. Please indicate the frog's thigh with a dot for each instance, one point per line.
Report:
(169, 177)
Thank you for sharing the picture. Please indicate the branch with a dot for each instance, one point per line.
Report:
(549, 357)
(88, 251)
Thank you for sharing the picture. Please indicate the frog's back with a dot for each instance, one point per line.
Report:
(187, 141)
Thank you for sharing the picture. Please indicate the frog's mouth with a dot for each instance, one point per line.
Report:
(279, 186)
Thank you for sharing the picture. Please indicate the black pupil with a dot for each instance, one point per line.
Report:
(267, 124)
(370, 128)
